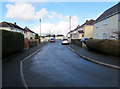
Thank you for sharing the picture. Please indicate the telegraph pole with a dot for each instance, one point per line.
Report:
(40, 29)
(70, 23)
(70, 28)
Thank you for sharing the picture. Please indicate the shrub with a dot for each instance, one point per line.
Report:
(32, 43)
(76, 42)
(11, 42)
(37, 36)
(106, 46)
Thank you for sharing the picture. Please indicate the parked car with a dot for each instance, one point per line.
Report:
(84, 40)
(65, 42)
(52, 39)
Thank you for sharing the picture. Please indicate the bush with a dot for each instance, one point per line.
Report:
(37, 36)
(11, 42)
(32, 43)
(76, 42)
(110, 47)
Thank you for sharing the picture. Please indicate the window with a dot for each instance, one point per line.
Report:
(119, 16)
(82, 35)
(96, 25)
(105, 22)
(97, 36)
(104, 35)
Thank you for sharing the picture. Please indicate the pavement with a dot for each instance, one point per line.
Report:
(97, 57)
(11, 76)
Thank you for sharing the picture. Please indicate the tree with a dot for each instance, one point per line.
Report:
(36, 36)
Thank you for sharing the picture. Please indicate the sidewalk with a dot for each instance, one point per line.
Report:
(11, 67)
(96, 56)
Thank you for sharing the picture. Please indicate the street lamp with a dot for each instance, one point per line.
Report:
(40, 29)
(70, 28)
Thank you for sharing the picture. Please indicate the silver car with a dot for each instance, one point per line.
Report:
(65, 42)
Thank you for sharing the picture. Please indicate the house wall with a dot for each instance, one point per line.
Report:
(60, 37)
(104, 31)
(118, 25)
(119, 21)
(5, 28)
(14, 30)
(28, 35)
(68, 35)
(80, 35)
(88, 31)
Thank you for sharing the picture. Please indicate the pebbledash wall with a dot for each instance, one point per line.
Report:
(88, 31)
(119, 22)
(105, 28)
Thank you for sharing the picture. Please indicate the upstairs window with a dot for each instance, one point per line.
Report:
(104, 35)
(82, 35)
(96, 25)
(119, 16)
(105, 22)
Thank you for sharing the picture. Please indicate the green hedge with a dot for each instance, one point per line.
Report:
(11, 42)
(110, 47)
(32, 43)
(76, 42)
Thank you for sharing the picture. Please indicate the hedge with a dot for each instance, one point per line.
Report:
(106, 46)
(11, 42)
(32, 43)
(76, 42)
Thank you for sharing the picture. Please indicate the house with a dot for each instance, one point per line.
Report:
(88, 29)
(59, 36)
(83, 31)
(107, 25)
(12, 27)
(29, 34)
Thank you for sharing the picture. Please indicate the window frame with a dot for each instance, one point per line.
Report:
(104, 35)
(105, 21)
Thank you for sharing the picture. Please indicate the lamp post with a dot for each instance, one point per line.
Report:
(70, 23)
(40, 30)
(70, 28)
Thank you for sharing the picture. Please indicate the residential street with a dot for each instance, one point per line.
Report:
(58, 66)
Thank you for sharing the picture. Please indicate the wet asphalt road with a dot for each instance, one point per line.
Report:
(57, 66)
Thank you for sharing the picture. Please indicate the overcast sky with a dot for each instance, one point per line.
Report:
(54, 15)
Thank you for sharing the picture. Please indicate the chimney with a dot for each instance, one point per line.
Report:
(86, 20)
(15, 23)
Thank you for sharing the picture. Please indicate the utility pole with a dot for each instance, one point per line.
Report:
(40, 29)
(70, 23)
(49, 34)
(70, 28)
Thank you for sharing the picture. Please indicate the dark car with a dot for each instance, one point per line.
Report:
(52, 39)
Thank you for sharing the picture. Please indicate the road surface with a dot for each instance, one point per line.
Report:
(56, 65)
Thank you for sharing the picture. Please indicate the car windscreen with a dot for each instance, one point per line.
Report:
(65, 39)
(52, 39)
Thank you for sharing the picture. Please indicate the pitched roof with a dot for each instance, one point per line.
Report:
(6, 24)
(88, 22)
(81, 31)
(111, 11)
(28, 30)
(59, 35)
